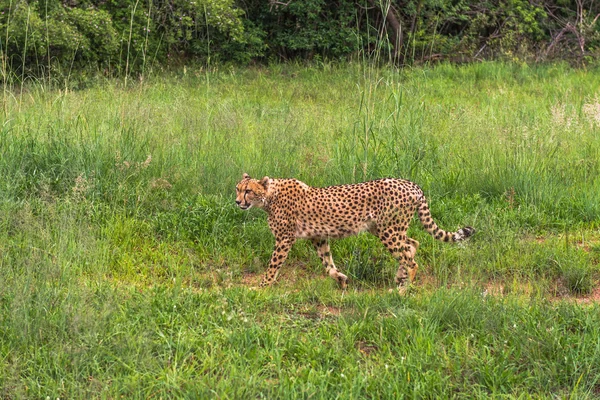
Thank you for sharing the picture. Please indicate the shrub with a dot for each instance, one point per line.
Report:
(36, 36)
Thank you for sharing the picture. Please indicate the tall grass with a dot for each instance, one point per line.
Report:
(125, 267)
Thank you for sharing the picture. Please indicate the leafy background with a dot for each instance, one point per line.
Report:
(51, 38)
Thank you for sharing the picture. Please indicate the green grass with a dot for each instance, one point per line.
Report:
(126, 269)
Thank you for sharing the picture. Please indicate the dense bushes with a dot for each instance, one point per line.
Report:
(118, 36)
(35, 34)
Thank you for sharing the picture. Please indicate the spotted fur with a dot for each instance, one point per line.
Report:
(383, 207)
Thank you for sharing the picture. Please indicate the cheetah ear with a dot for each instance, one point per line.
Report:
(245, 176)
(264, 181)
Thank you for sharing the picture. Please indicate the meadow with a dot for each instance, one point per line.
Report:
(126, 270)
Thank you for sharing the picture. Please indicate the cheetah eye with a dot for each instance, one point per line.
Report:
(248, 191)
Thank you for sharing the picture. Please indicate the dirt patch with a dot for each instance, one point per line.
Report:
(251, 280)
(330, 310)
(426, 280)
(593, 297)
(500, 288)
(366, 348)
(494, 289)
(557, 292)
(320, 312)
(561, 293)
(290, 276)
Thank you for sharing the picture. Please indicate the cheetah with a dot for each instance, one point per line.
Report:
(383, 207)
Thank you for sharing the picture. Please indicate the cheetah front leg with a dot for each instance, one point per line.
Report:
(324, 253)
(282, 248)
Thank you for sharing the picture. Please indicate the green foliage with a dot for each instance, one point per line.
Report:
(52, 38)
(196, 29)
(38, 35)
(117, 36)
(461, 30)
(507, 29)
(429, 30)
(314, 28)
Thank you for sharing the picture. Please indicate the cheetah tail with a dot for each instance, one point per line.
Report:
(438, 233)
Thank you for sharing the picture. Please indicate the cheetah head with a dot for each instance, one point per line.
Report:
(251, 192)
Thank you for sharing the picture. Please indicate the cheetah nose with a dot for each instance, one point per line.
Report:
(238, 202)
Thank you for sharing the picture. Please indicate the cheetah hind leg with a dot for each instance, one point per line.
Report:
(411, 247)
(403, 249)
(324, 253)
(407, 270)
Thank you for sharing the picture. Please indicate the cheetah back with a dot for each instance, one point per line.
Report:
(345, 210)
